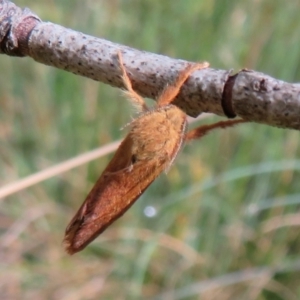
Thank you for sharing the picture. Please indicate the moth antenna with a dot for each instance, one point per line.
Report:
(171, 91)
(204, 129)
(133, 96)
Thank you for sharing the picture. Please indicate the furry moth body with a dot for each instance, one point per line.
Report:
(150, 147)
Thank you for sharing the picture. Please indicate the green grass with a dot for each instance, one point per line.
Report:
(229, 204)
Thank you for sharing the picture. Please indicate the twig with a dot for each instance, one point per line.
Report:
(251, 95)
(56, 169)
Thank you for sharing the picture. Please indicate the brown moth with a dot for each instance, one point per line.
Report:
(150, 147)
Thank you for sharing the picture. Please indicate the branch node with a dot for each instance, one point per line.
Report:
(15, 29)
(227, 97)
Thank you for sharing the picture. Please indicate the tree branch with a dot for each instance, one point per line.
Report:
(251, 95)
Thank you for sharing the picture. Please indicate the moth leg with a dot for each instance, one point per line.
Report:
(171, 91)
(200, 131)
(133, 96)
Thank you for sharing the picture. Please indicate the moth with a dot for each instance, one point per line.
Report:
(154, 140)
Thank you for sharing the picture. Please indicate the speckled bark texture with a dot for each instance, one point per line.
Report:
(251, 95)
(264, 99)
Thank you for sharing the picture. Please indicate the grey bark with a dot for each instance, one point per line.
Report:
(251, 95)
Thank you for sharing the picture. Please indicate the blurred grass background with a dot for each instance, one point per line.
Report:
(224, 222)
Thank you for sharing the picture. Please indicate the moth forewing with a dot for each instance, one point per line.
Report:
(82, 229)
(148, 149)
